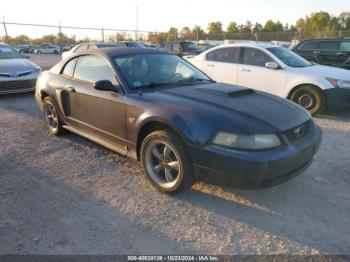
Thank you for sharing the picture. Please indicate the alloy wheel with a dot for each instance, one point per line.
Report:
(163, 163)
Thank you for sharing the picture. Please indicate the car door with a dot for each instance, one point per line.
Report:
(252, 72)
(328, 52)
(95, 112)
(221, 64)
(309, 50)
(343, 56)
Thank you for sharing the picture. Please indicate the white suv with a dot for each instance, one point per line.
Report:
(279, 71)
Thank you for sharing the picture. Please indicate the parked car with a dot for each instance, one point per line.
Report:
(182, 48)
(326, 51)
(279, 71)
(22, 48)
(47, 49)
(17, 74)
(32, 48)
(66, 48)
(131, 44)
(89, 46)
(156, 107)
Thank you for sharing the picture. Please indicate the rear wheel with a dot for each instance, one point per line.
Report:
(52, 118)
(310, 98)
(166, 162)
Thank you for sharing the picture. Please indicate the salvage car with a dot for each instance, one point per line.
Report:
(326, 51)
(47, 49)
(157, 108)
(17, 74)
(88, 46)
(279, 71)
(182, 48)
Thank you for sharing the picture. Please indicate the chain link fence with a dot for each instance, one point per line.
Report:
(26, 33)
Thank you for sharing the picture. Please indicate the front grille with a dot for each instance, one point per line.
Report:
(297, 132)
(17, 85)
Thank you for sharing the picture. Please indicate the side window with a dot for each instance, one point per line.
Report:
(228, 55)
(311, 45)
(328, 46)
(69, 68)
(92, 68)
(345, 46)
(255, 57)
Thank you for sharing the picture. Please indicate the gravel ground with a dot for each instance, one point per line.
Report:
(70, 196)
(46, 61)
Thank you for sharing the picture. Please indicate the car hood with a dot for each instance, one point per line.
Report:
(230, 105)
(326, 71)
(16, 65)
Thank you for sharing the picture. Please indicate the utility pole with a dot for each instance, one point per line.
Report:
(137, 23)
(60, 29)
(103, 33)
(3, 22)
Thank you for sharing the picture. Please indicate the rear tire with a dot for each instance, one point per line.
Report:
(166, 162)
(309, 98)
(52, 118)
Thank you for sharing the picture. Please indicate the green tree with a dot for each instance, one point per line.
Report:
(215, 27)
(232, 28)
(198, 33)
(186, 33)
(172, 34)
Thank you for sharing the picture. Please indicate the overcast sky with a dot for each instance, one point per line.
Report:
(158, 15)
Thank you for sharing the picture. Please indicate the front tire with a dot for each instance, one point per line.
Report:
(310, 98)
(52, 118)
(166, 162)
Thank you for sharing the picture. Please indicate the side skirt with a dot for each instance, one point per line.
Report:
(101, 142)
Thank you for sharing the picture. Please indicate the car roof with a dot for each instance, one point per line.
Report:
(328, 39)
(123, 51)
(257, 44)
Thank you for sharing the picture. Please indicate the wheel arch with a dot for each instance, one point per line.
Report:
(305, 85)
(156, 124)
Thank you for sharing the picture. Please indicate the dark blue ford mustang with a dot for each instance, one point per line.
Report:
(157, 108)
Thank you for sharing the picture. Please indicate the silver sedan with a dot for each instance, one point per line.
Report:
(17, 74)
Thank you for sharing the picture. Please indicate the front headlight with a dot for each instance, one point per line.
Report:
(339, 83)
(248, 142)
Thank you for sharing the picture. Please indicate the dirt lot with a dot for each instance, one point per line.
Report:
(70, 196)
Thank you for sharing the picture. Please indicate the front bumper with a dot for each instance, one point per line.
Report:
(257, 169)
(337, 98)
(18, 85)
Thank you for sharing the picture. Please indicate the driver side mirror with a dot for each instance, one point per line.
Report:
(106, 85)
(272, 65)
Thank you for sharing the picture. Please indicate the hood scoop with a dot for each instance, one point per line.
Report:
(226, 90)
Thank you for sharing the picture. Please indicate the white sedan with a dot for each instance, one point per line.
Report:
(279, 71)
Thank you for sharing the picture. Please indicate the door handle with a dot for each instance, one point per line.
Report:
(70, 89)
(246, 70)
(316, 52)
(210, 65)
(340, 53)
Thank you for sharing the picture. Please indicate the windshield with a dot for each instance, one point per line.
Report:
(7, 52)
(288, 57)
(156, 70)
(189, 46)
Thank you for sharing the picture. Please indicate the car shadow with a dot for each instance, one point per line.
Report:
(43, 215)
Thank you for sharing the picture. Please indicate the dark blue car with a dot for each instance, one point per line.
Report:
(157, 108)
